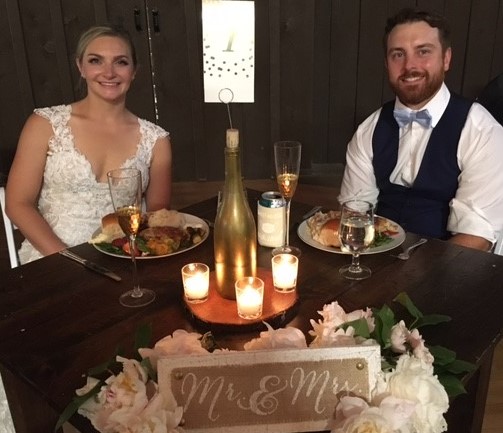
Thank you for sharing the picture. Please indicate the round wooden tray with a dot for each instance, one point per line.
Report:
(218, 312)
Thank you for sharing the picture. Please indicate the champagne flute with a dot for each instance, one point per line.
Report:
(287, 162)
(126, 192)
(356, 233)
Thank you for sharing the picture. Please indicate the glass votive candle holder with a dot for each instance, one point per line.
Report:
(284, 272)
(196, 282)
(249, 297)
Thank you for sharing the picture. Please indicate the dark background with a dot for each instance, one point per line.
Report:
(318, 72)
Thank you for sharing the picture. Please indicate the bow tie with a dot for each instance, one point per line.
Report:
(403, 117)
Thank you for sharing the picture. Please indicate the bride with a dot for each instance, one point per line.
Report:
(57, 189)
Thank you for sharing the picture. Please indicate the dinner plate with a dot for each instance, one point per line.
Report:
(396, 240)
(190, 221)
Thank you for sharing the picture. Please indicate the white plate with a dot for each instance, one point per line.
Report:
(305, 235)
(190, 221)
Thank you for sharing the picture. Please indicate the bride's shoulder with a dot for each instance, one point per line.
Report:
(150, 128)
(54, 113)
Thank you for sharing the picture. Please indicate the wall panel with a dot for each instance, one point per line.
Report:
(319, 71)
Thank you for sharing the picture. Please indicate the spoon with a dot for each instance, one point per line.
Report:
(406, 254)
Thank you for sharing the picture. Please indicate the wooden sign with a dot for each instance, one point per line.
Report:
(292, 390)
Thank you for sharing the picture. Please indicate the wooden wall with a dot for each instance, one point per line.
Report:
(319, 71)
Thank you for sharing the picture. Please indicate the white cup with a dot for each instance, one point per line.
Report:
(249, 297)
(196, 282)
(284, 272)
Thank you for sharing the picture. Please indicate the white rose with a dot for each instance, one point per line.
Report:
(413, 380)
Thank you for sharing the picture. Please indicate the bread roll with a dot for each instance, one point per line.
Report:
(329, 233)
(110, 230)
(324, 228)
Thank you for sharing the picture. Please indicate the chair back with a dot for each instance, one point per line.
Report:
(9, 232)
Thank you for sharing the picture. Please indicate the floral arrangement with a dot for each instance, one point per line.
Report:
(411, 395)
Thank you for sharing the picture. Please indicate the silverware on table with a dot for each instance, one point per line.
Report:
(90, 265)
(406, 254)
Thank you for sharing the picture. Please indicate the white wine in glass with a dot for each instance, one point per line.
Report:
(356, 233)
(287, 163)
(126, 192)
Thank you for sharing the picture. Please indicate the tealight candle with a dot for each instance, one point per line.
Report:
(196, 282)
(284, 272)
(249, 297)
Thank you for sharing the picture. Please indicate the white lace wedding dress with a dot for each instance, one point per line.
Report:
(71, 199)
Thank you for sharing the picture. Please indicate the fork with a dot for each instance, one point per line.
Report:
(406, 254)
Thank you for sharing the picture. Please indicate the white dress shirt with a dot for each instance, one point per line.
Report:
(477, 208)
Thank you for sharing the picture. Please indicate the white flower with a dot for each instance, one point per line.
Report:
(413, 380)
(328, 332)
(128, 403)
(399, 335)
(420, 351)
(354, 415)
(282, 338)
(331, 338)
(334, 316)
(180, 343)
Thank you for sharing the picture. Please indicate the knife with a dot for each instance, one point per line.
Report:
(90, 265)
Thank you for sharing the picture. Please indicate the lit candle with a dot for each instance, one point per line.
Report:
(195, 278)
(249, 297)
(284, 272)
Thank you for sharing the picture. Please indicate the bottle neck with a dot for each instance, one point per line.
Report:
(233, 181)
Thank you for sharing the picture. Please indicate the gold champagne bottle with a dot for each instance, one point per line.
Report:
(235, 235)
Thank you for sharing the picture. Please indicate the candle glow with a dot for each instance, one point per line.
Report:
(195, 278)
(284, 272)
(249, 297)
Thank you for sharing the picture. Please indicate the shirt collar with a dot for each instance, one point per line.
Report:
(435, 107)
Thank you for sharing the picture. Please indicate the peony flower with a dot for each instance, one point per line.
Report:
(399, 335)
(354, 415)
(282, 338)
(330, 338)
(180, 343)
(334, 316)
(413, 379)
(419, 349)
(128, 403)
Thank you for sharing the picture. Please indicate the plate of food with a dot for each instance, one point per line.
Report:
(321, 231)
(162, 233)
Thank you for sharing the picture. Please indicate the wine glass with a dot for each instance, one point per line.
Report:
(126, 191)
(287, 162)
(356, 233)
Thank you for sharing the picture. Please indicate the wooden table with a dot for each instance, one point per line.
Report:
(57, 319)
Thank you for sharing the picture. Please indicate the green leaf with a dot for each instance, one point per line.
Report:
(431, 319)
(452, 385)
(384, 321)
(459, 366)
(404, 299)
(143, 336)
(442, 355)
(101, 368)
(147, 365)
(360, 326)
(75, 404)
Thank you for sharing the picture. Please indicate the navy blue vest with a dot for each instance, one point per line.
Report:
(423, 208)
